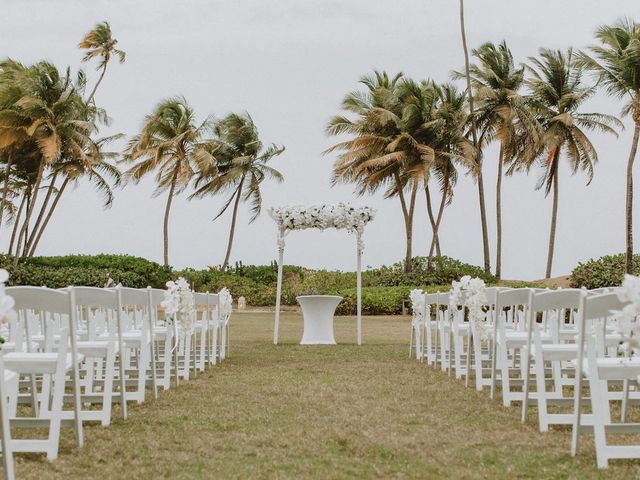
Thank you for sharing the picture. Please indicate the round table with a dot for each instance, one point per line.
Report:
(317, 313)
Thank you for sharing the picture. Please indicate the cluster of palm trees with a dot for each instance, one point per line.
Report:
(49, 138)
(403, 136)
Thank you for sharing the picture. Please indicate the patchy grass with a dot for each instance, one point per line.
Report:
(290, 411)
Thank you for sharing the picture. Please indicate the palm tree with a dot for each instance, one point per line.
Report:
(452, 146)
(170, 144)
(617, 63)
(241, 166)
(99, 43)
(474, 136)
(374, 156)
(500, 113)
(54, 124)
(557, 93)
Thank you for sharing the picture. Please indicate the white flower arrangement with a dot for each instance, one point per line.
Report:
(340, 216)
(417, 306)
(627, 318)
(475, 299)
(179, 304)
(226, 304)
(6, 301)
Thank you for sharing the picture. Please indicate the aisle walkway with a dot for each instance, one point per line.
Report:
(320, 412)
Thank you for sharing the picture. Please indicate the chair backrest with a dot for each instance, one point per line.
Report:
(133, 296)
(157, 296)
(42, 299)
(557, 299)
(96, 297)
(201, 299)
(600, 306)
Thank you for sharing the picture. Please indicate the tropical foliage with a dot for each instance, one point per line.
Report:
(394, 135)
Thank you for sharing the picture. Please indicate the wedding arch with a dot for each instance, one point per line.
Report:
(338, 216)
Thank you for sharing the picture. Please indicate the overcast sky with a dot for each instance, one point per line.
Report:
(289, 63)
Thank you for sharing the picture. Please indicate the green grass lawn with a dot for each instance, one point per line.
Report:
(342, 411)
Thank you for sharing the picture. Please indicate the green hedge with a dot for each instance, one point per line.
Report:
(384, 288)
(607, 271)
(89, 270)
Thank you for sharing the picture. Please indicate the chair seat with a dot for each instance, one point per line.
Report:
(25, 362)
(615, 368)
(557, 351)
(93, 348)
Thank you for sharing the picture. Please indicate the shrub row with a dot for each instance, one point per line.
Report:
(384, 289)
(607, 271)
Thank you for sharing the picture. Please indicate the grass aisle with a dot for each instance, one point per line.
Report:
(320, 412)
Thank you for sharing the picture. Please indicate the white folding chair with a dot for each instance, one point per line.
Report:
(600, 369)
(551, 341)
(135, 350)
(510, 335)
(99, 309)
(53, 306)
(7, 378)
(164, 344)
(430, 329)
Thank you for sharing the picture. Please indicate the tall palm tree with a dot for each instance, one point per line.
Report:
(474, 136)
(452, 146)
(171, 145)
(557, 94)
(373, 157)
(617, 63)
(501, 111)
(99, 43)
(54, 122)
(241, 166)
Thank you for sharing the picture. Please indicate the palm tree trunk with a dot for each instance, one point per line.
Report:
(434, 231)
(629, 200)
(499, 216)
(43, 208)
(5, 190)
(31, 207)
(166, 217)
(405, 214)
(48, 217)
(95, 88)
(443, 202)
(483, 210)
(554, 216)
(233, 224)
(408, 259)
(16, 222)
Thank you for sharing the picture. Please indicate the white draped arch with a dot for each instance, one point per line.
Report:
(339, 216)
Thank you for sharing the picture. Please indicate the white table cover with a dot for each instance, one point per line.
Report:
(317, 312)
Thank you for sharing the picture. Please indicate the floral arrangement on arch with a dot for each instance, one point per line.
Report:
(475, 299)
(6, 301)
(627, 318)
(340, 216)
(179, 304)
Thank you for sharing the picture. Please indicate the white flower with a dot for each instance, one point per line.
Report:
(225, 304)
(475, 299)
(339, 216)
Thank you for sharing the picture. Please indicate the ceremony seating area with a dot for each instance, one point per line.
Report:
(567, 354)
(71, 354)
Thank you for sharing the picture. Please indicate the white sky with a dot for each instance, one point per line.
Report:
(289, 63)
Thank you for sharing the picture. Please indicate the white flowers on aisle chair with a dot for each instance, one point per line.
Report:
(627, 318)
(6, 301)
(475, 299)
(179, 304)
(417, 305)
(226, 303)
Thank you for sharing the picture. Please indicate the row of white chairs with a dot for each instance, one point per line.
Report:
(535, 345)
(73, 353)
